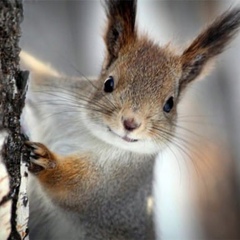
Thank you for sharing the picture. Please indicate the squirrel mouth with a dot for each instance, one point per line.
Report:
(125, 138)
(129, 139)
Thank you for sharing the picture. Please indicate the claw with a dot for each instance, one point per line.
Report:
(40, 157)
(35, 156)
(34, 168)
(31, 145)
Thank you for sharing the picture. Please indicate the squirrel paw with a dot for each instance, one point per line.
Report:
(41, 157)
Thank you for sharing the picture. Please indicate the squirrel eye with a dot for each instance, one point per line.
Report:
(109, 84)
(168, 105)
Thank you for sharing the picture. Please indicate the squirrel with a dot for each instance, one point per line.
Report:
(92, 159)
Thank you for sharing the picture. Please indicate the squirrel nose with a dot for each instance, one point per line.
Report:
(130, 124)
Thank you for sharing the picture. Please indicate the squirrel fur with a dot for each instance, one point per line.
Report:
(94, 142)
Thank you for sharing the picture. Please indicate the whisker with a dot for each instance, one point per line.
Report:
(91, 82)
(75, 100)
(170, 137)
(73, 106)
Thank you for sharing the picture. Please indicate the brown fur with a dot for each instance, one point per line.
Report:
(62, 176)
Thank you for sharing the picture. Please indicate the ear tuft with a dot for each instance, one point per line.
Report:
(209, 44)
(120, 32)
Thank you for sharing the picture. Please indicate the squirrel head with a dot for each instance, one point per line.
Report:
(141, 83)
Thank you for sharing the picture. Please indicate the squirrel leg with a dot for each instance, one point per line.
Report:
(41, 158)
(64, 178)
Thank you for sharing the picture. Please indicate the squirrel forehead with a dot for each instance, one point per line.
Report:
(147, 60)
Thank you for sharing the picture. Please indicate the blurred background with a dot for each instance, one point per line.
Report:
(197, 178)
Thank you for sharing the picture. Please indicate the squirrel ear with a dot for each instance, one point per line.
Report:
(120, 32)
(208, 44)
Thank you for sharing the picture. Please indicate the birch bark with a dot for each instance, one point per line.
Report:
(13, 86)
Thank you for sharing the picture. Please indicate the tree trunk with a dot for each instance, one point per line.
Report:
(13, 90)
